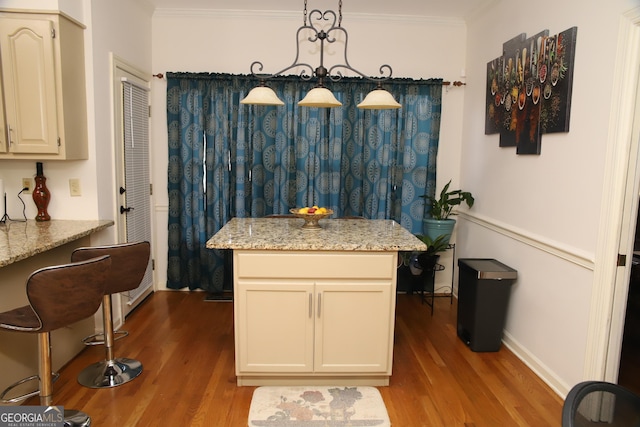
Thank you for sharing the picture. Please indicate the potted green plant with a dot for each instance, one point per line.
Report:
(441, 208)
(429, 258)
(425, 260)
(434, 246)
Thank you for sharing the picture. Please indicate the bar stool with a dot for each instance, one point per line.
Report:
(130, 264)
(58, 297)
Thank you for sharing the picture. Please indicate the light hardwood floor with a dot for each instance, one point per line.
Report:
(186, 346)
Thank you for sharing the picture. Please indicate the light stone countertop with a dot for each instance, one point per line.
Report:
(336, 235)
(21, 240)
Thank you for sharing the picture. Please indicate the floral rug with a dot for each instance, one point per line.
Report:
(317, 406)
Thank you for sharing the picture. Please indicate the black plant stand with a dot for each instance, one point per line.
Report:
(429, 285)
(424, 283)
(453, 268)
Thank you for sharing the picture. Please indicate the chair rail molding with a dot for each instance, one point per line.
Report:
(564, 252)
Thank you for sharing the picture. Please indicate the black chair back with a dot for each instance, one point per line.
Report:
(600, 403)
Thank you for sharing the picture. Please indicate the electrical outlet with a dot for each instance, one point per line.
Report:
(26, 183)
(74, 187)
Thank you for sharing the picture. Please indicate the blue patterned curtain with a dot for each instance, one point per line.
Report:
(231, 160)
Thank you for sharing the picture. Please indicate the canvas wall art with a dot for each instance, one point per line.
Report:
(529, 89)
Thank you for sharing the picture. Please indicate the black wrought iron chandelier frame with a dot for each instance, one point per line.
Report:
(308, 72)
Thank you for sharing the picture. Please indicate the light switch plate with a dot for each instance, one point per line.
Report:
(74, 187)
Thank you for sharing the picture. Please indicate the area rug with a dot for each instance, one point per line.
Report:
(313, 406)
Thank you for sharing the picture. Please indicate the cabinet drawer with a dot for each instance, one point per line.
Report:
(316, 265)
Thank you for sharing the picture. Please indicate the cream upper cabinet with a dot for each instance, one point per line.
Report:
(313, 316)
(43, 87)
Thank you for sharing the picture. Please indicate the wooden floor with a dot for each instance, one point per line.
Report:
(186, 346)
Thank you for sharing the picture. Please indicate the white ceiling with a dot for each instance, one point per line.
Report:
(454, 9)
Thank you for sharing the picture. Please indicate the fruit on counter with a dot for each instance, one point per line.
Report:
(315, 210)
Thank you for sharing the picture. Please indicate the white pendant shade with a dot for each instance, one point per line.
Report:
(262, 95)
(320, 97)
(379, 99)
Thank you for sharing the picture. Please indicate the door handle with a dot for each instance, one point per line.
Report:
(125, 210)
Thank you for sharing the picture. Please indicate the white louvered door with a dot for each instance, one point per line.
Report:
(137, 192)
(133, 188)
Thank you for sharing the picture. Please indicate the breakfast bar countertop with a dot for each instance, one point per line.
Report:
(335, 235)
(21, 240)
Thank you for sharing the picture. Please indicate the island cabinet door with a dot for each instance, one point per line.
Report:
(354, 327)
(274, 327)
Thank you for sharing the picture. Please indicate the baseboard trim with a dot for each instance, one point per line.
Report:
(540, 369)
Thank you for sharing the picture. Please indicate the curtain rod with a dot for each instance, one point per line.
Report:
(456, 83)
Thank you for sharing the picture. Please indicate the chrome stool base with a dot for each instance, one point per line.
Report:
(73, 418)
(110, 373)
(98, 339)
(24, 396)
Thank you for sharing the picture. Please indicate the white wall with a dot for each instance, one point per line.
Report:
(121, 28)
(541, 214)
(227, 42)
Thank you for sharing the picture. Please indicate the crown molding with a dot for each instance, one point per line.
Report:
(291, 15)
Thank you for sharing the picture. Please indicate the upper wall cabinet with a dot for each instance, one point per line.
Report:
(43, 87)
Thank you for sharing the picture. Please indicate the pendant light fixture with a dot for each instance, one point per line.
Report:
(320, 95)
(262, 95)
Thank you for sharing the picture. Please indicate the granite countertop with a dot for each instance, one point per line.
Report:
(336, 235)
(20, 240)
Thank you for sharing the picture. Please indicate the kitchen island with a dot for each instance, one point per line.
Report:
(314, 307)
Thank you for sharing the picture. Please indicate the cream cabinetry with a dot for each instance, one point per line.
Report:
(314, 317)
(43, 87)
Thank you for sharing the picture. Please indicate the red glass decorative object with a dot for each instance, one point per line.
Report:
(41, 194)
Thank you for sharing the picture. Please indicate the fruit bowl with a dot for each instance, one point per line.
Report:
(311, 219)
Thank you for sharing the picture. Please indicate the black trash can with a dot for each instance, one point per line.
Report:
(484, 287)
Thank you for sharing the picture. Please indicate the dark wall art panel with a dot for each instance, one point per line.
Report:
(529, 89)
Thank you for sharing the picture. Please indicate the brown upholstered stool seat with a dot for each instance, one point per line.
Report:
(58, 296)
(22, 319)
(130, 262)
